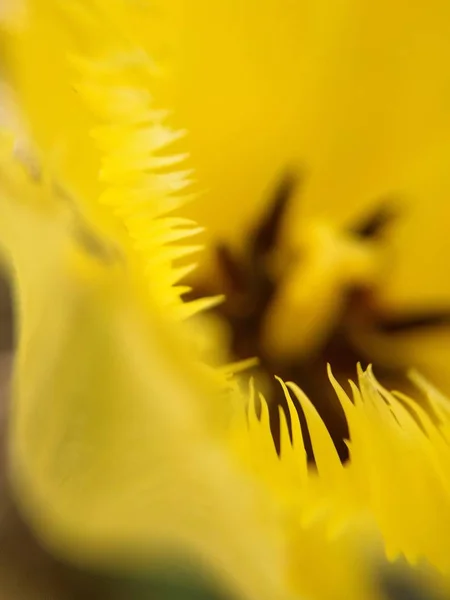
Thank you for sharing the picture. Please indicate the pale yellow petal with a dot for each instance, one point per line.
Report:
(113, 460)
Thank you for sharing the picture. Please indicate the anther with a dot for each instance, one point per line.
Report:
(410, 323)
(264, 237)
(374, 224)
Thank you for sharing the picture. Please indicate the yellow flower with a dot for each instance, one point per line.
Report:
(352, 100)
(125, 446)
(356, 96)
(116, 452)
(393, 490)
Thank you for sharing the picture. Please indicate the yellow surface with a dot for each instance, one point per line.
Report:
(128, 459)
(354, 93)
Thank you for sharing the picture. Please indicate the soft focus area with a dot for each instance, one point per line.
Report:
(224, 300)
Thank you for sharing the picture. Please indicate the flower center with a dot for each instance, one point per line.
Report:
(255, 292)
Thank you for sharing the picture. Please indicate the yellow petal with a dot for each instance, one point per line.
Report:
(355, 93)
(112, 458)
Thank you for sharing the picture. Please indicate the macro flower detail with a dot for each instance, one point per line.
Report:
(129, 451)
(87, 372)
(397, 467)
(334, 279)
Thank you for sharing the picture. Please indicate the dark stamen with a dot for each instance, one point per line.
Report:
(413, 322)
(374, 224)
(231, 269)
(264, 237)
(406, 584)
(250, 287)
